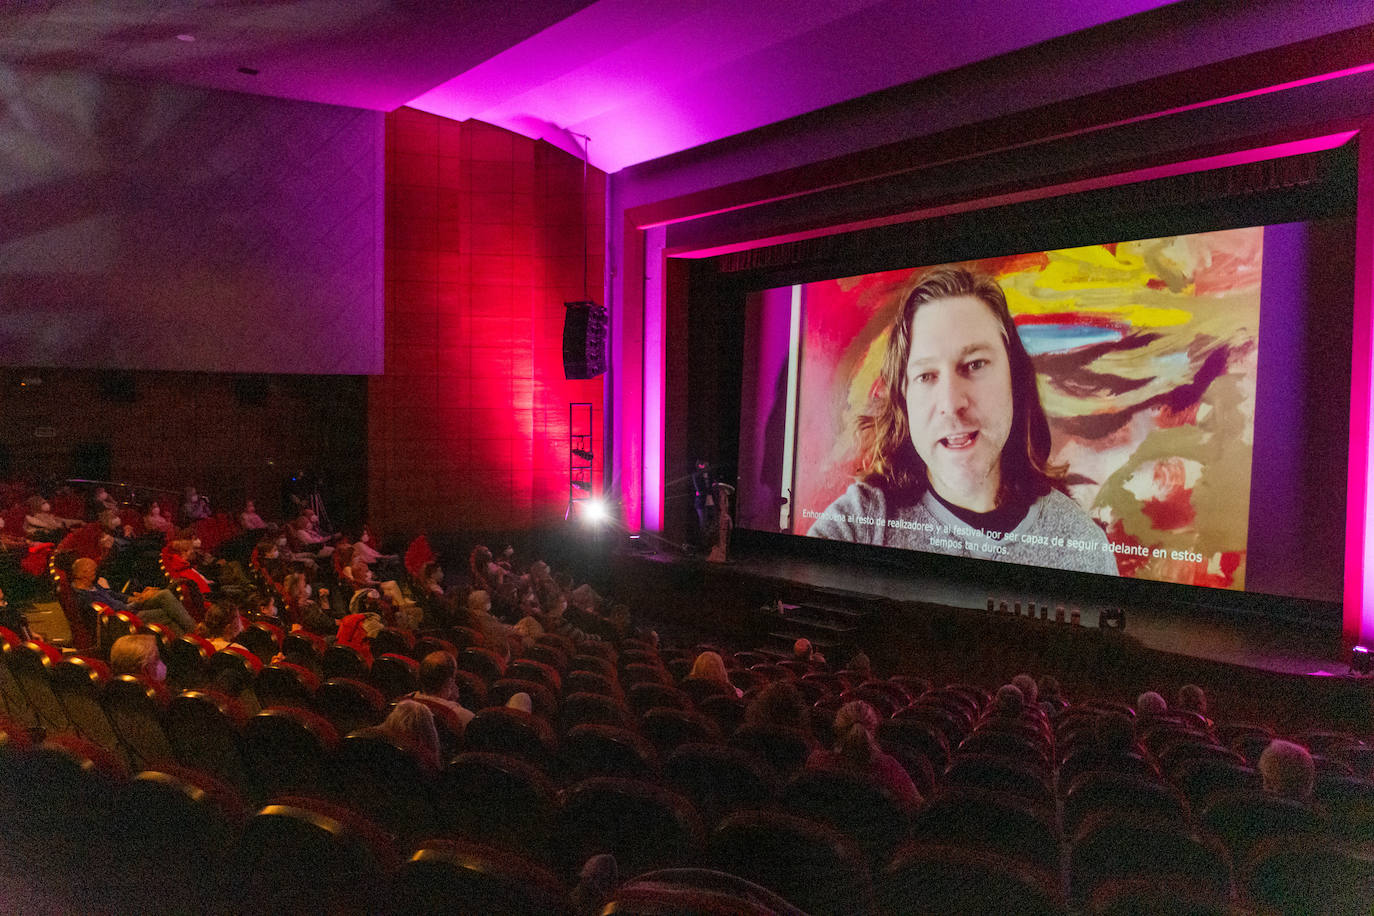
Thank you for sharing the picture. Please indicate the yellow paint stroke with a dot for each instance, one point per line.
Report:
(1140, 316)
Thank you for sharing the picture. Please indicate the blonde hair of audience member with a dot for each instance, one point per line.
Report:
(521, 701)
(855, 724)
(411, 724)
(1151, 703)
(709, 666)
(137, 654)
(1287, 770)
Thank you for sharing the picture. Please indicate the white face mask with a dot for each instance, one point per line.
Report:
(195, 542)
(307, 591)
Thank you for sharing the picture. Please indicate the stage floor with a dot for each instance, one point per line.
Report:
(1250, 640)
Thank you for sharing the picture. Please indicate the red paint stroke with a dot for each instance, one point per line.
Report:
(1170, 417)
(1173, 512)
(1074, 319)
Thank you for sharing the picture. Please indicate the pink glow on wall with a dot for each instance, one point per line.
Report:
(1358, 619)
(469, 425)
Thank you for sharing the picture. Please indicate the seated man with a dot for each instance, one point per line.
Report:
(153, 605)
(137, 654)
(439, 684)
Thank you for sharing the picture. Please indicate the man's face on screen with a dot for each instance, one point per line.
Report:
(958, 398)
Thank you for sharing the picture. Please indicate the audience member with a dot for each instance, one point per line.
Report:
(41, 525)
(778, 703)
(222, 624)
(1051, 700)
(194, 507)
(439, 684)
(249, 518)
(709, 666)
(411, 725)
(137, 654)
(1030, 691)
(1287, 770)
(1151, 703)
(303, 610)
(153, 605)
(1008, 702)
(859, 662)
(1192, 698)
(521, 701)
(856, 750)
(803, 651)
(154, 520)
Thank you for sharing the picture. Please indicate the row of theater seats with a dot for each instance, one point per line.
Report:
(1040, 814)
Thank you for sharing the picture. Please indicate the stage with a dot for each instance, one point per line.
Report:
(1303, 641)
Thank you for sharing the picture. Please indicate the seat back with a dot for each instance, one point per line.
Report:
(719, 779)
(605, 750)
(1007, 825)
(350, 704)
(1111, 846)
(348, 860)
(855, 804)
(79, 684)
(137, 710)
(286, 749)
(384, 780)
(203, 728)
(926, 878)
(667, 729)
(32, 662)
(642, 824)
(499, 800)
(451, 875)
(810, 865)
(499, 730)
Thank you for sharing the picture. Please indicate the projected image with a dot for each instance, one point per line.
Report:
(1088, 409)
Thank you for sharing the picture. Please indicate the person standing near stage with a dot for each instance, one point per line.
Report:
(955, 459)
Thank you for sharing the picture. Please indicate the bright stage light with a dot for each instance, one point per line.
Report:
(1359, 660)
(594, 511)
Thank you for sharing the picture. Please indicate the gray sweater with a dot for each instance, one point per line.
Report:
(1055, 533)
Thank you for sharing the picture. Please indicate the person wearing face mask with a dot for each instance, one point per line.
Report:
(137, 654)
(955, 457)
(178, 558)
(41, 525)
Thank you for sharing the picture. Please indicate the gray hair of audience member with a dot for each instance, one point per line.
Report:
(521, 701)
(1192, 698)
(1030, 692)
(778, 703)
(438, 670)
(1151, 703)
(855, 724)
(412, 724)
(1287, 770)
(134, 654)
(479, 602)
(1008, 701)
(860, 662)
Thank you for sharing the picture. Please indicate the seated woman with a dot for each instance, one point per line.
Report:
(709, 666)
(154, 520)
(303, 611)
(179, 557)
(857, 751)
(222, 624)
(249, 518)
(41, 525)
(411, 725)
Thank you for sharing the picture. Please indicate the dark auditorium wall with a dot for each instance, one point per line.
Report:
(234, 436)
(154, 226)
(485, 229)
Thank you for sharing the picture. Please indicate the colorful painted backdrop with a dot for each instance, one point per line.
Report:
(1147, 356)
